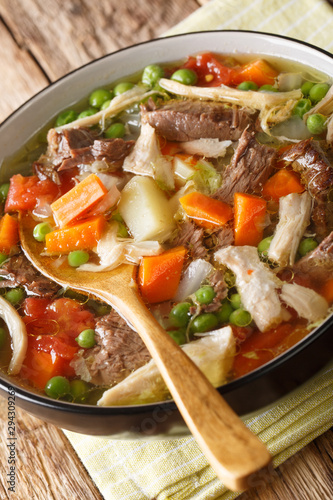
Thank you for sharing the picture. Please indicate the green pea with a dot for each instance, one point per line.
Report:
(180, 314)
(86, 338)
(3, 337)
(88, 112)
(318, 91)
(205, 294)
(77, 258)
(306, 246)
(235, 301)
(302, 107)
(151, 74)
(179, 336)
(247, 86)
(106, 104)
(41, 230)
(240, 317)
(204, 323)
(268, 88)
(116, 130)
(67, 116)
(78, 388)
(185, 76)
(3, 258)
(15, 296)
(316, 123)
(4, 188)
(98, 97)
(122, 87)
(57, 387)
(264, 245)
(306, 87)
(224, 312)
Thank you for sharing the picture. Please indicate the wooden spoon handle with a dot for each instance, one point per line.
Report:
(233, 451)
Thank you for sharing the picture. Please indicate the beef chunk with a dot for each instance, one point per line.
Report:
(18, 271)
(191, 236)
(119, 351)
(187, 120)
(249, 169)
(111, 151)
(79, 146)
(310, 161)
(318, 264)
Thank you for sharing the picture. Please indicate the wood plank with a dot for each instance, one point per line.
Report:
(16, 86)
(47, 467)
(64, 35)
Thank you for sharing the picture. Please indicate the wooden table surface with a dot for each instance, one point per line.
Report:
(41, 40)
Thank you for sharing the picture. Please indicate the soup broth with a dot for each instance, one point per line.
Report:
(214, 177)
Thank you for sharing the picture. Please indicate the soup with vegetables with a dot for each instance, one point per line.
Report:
(214, 177)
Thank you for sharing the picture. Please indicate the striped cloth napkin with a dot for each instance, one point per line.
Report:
(177, 469)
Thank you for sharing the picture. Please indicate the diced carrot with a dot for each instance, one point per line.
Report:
(38, 367)
(76, 202)
(206, 212)
(259, 72)
(9, 235)
(327, 291)
(159, 275)
(81, 236)
(282, 183)
(250, 212)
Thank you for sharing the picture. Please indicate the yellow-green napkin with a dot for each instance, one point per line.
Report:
(177, 469)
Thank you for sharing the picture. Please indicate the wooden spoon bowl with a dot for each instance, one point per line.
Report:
(234, 452)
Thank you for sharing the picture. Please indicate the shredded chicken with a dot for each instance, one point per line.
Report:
(256, 284)
(274, 107)
(146, 158)
(307, 303)
(211, 148)
(213, 354)
(117, 104)
(18, 334)
(294, 217)
(113, 251)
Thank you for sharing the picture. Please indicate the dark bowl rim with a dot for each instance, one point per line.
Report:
(26, 395)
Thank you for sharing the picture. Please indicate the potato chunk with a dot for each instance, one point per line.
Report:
(146, 210)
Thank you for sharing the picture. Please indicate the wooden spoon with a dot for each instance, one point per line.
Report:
(233, 451)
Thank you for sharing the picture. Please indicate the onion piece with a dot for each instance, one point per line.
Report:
(192, 278)
(18, 333)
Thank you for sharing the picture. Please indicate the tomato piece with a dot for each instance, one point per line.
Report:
(39, 367)
(211, 72)
(54, 345)
(71, 317)
(27, 192)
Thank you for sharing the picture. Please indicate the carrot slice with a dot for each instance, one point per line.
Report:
(282, 183)
(159, 275)
(81, 236)
(9, 235)
(206, 212)
(259, 72)
(76, 202)
(250, 212)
